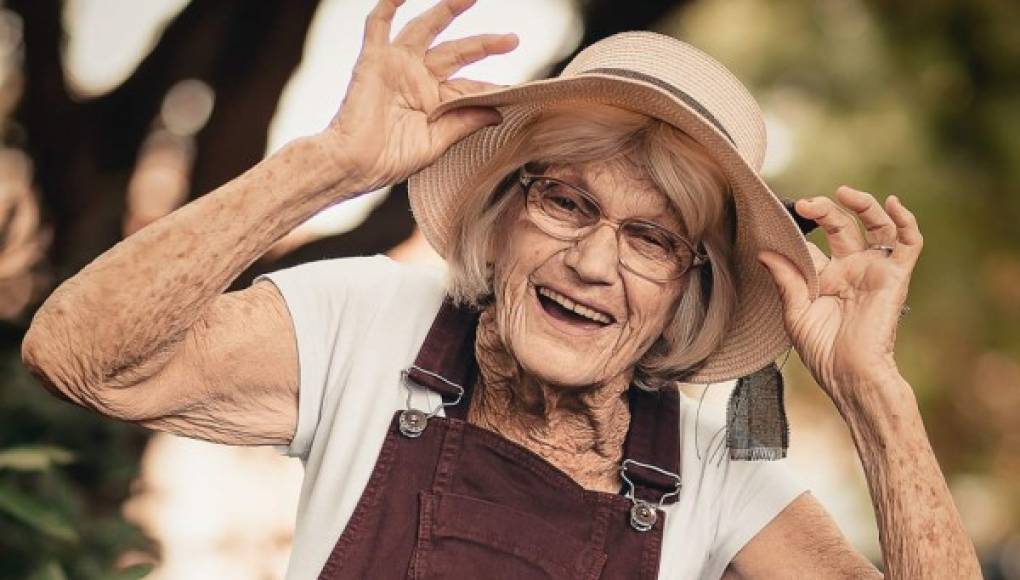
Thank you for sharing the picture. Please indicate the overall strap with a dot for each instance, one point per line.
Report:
(446, 361)
(652, 449)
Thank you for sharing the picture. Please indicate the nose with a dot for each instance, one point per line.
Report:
(595, 257)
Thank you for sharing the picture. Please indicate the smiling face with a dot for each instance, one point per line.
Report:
(569, 313)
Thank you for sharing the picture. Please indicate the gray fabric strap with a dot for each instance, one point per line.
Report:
(756, 424)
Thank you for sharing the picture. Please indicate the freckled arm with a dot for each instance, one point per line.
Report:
(144, 333)
(920, 530)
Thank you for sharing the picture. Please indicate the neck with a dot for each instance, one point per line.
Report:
(579, 430)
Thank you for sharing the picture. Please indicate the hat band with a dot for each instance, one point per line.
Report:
(686, 98)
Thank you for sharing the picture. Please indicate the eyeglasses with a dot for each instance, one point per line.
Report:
(566, 212)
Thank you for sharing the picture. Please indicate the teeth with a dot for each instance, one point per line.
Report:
(574, 306)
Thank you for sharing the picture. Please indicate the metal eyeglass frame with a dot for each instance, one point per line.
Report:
(526, 179)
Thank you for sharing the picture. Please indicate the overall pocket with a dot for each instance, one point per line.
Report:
(463, 537)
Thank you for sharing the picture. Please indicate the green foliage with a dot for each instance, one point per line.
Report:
(46, 519)
(34, 457)
(64, 473)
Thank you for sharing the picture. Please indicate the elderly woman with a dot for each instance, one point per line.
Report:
(607, 235)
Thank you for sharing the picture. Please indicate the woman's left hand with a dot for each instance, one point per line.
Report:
(846, 335)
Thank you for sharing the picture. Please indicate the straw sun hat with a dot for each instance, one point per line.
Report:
(661, 77)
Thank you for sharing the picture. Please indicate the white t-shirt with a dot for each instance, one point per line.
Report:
(360, 321)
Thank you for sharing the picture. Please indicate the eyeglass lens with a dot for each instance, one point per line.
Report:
(565, 212)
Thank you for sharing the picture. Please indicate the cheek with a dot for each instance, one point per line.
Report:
(521, 253)
(518, 254)
(651, 309)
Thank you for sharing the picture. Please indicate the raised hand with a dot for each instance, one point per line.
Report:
(383, 132)
(846, 336)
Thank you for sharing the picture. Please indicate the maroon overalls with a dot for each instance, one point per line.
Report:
(447, 499)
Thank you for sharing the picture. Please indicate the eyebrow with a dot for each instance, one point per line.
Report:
(676, 225)
(678, 230)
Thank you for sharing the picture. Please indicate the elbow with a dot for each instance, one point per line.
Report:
(33, 345)
(46, 356)
(39, 342)
(74, 366)
(59, 371)
(34, 353)
(53, 356)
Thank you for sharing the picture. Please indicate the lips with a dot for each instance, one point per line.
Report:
(565, 307)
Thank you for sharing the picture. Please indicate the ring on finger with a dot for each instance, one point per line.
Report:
(903, 312)
(887, 249)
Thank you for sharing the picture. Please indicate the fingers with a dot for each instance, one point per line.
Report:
(454, 125)
(908, 235)
(377, 25)
(878, 226)
(445, 59)
(462, 87)
(424, 28)
(793, 288)
(841, 229)
(893, 225)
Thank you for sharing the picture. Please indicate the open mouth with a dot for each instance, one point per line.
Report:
(567, 310)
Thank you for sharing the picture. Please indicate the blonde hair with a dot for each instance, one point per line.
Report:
(679, 166)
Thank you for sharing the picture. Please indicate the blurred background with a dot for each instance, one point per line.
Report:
(116, 112)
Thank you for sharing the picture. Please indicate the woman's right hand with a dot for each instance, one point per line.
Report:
(382, 133)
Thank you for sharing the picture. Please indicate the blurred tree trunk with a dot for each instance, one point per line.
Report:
(84, 151)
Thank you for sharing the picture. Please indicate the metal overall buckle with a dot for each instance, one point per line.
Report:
(644, 514)
(412, 422)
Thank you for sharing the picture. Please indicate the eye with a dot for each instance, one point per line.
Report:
(561, 201)
(654, 240)
(649, 240)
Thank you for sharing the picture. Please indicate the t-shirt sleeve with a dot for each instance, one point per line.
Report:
(739, 498)
(331, 303)
(753, 494)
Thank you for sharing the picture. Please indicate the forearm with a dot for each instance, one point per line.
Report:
(119, 319)
(920, 529)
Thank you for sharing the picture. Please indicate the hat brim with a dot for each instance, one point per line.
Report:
(757, 334)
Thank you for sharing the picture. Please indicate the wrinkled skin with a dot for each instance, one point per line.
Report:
(557, 388)
(589, 272)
